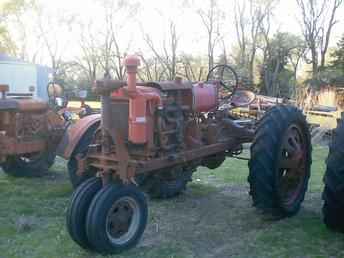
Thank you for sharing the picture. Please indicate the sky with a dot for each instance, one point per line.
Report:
(153, 17)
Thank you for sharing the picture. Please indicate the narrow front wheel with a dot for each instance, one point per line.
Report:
(116, 218)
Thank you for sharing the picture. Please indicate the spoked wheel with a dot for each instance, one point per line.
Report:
(333, 194)
(280, 162)
(116, 219)
(30, 165)
(78, 208)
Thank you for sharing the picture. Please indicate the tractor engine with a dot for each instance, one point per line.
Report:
(167, 117)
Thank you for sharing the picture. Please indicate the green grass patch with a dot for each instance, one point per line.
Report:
(214, 218)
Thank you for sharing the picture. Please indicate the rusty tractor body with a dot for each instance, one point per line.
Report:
(152, 136)
(29, 134)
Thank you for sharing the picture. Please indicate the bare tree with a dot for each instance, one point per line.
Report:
(317, 22)
(89, 59)
(250, 23)
(192, 68)
(211, 19)
(151, 70)
(116, 13)
(240, 26)
(52, 32)
(168, 56)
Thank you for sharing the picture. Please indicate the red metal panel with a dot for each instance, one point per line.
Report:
(74, 134)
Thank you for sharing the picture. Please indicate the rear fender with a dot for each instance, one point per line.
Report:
(74, 134)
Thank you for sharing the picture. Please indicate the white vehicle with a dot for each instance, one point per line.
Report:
(24, 78)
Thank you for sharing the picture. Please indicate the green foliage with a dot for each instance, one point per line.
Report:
(337, 56)
(333, 73)
(277, 77)
(337, 62)
(8, 8)
(6, 43)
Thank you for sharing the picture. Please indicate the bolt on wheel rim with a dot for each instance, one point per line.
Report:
(122, 220)
(291, 165)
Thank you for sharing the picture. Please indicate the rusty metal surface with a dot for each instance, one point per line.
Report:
(9, 146)
(23, 105)
(27, 126)
(31, 105)
(74, 133)
(107, 85)
(8, 104)
(23, 133)
(4, 87)
(172, 85)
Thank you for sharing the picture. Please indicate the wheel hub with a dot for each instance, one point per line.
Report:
(292, 165)
(122, 220)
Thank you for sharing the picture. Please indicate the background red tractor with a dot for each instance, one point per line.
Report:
(31, 130)
(29, 134)
(152, 136)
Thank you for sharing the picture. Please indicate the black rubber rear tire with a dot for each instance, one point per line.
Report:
(17, 167)
(78, 208)
(96, 222)
(81, 149)
(264, 168)
(333, 194)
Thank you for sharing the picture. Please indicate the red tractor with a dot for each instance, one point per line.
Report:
(29, 134)
(152, 136)
(31, 130)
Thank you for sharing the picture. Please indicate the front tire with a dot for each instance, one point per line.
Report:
(116, 218)
(78, 208)
(333, 194)
(280, 162)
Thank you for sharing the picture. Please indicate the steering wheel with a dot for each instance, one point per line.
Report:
(228, 79)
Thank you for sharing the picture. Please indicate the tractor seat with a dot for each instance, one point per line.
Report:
(23, 105)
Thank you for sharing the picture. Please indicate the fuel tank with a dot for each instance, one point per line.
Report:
(205, 97)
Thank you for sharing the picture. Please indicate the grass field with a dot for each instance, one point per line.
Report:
(213, 218)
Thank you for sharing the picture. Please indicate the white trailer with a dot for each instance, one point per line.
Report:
(24, 79)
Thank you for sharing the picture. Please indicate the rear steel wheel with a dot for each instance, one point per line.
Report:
(280, 162)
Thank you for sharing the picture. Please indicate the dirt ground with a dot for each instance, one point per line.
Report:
(213, 218)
